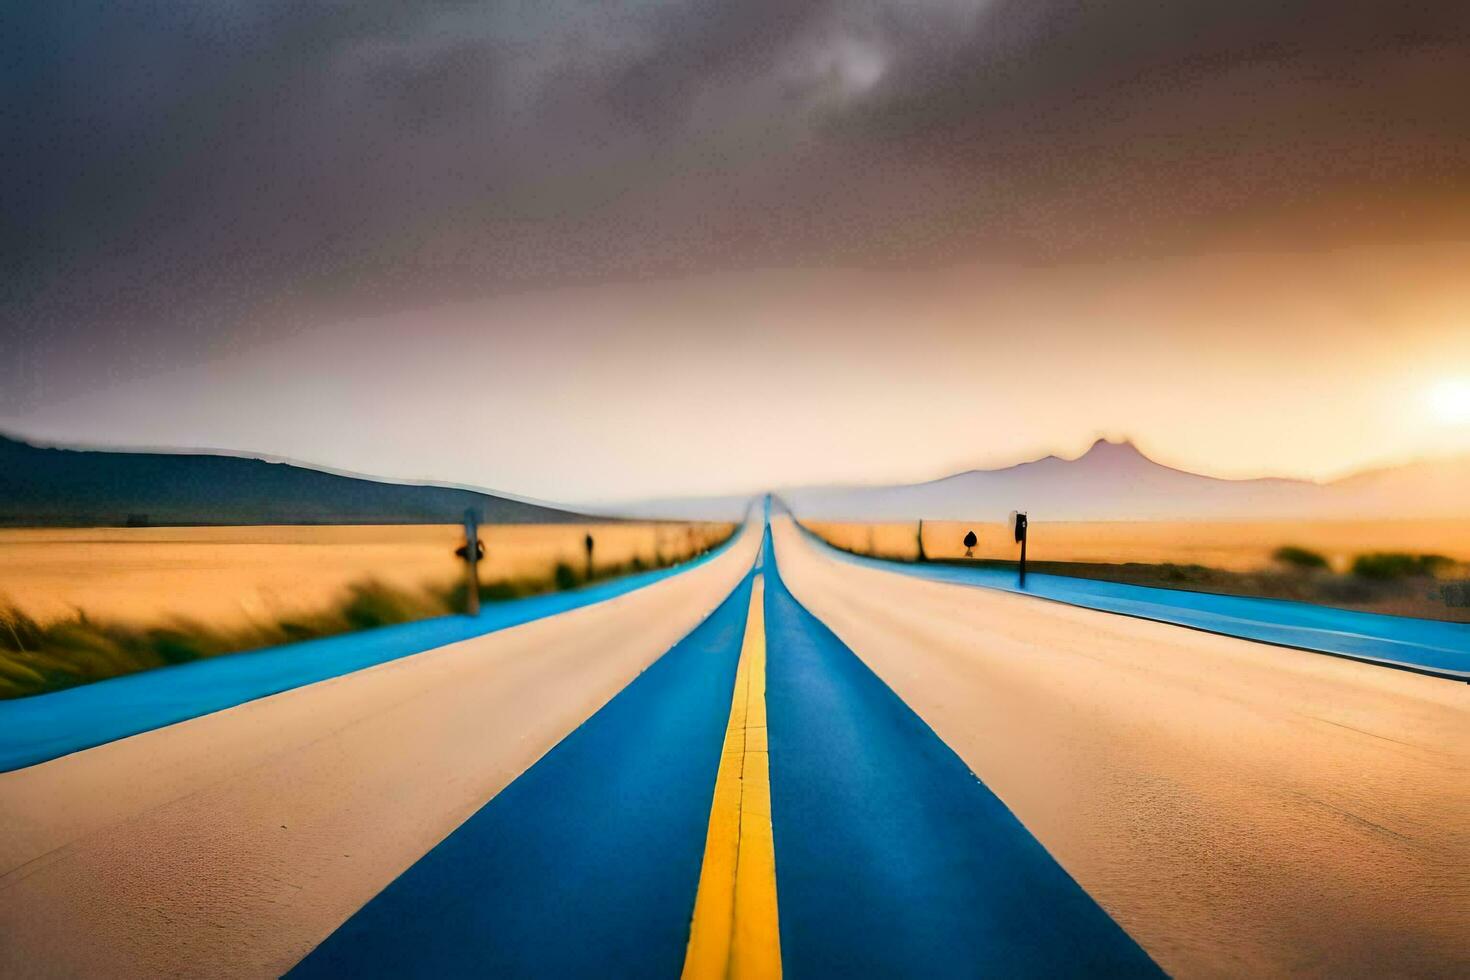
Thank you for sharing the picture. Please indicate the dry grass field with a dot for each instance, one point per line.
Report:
(233, 575)
(1232, 546)
(78, 606)
(1403, 568)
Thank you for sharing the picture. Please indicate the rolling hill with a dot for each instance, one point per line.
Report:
(45, 487)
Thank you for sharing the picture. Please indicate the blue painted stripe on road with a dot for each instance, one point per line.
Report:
(1423, 645)
(892, 859)
(588, 864)
(38, 729)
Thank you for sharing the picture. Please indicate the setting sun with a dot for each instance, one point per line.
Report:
(1449, 401)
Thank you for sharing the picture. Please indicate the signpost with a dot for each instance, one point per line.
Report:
(472, 551)
(1018, 523)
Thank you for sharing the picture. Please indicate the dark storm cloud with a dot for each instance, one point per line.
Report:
(699, 45)
(1135, 124)
(169, 167)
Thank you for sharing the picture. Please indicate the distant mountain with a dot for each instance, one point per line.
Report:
(42, 487)
(1432, 488)
(1116, 482)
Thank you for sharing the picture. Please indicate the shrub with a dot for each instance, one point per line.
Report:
(175, 647)
(1386, 565)
(371, 604)
(566, 576)
(1434, 564)
(1297, 557)
(498, 591)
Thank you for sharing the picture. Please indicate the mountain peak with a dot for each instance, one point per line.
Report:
(1119, 447)
(1119, 455)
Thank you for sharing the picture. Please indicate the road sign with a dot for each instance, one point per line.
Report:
(472, 556)
(1018, 526)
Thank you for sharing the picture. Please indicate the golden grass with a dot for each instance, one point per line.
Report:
(38, 654)
(1404, 568)
(1232, 546)
(236, 576)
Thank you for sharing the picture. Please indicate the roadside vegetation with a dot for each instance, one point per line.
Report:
(1302, 559)
(1428, 586)
(1385, 566)
(38, 657)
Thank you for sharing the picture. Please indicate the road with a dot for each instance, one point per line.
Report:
(1239, 808)
(890, 859)
(233, 843)
(776, 761)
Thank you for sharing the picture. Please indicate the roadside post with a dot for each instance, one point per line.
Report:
(1018, 522)
(471, 551)
(589, 544)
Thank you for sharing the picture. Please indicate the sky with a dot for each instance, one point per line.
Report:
(597, 251)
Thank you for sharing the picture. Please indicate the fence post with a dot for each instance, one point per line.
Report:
(1021, 536)
(472, 564)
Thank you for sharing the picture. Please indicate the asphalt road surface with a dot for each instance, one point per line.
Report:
(233, 843)
(1239, 808)
(775, 761)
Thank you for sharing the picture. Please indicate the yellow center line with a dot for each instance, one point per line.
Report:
(735, 932)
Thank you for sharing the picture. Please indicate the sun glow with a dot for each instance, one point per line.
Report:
(1449, 401)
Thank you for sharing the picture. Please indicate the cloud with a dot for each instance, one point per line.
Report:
(190, 163)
